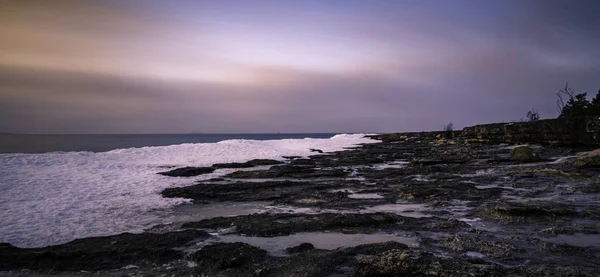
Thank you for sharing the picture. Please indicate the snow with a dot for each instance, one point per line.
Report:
(53, 198)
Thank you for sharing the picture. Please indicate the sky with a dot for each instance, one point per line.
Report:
(264, 66)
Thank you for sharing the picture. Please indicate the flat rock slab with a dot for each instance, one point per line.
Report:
(188, 171)
(100, 252)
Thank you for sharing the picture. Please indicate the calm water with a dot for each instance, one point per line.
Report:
(97, 143)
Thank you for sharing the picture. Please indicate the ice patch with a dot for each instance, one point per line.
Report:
(53, 198)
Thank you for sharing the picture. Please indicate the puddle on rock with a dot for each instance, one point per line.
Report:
(490, 186)
(479, 173)
(473, 254)
(276, 245)
(408, 210)
(302, 210)
(365, 196)
(578, 239)
(195, 212)
(420, 178)
(398, 164)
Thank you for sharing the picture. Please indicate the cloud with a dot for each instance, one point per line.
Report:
(376, 66)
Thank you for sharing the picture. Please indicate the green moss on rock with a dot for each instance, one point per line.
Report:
(523, 154)
(588, 159)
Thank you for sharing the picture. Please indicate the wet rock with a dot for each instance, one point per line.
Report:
(524, 154)
(509, 210)
(291, 157)
(270, 225)
(443, 190)
(418, 263)
(489, 247)
(457, 183)
(303, 247)
(556, 270)
(232, 165)
(245, 191)
(425, 162)
(100, 252)
(240, 259)
(289, 171)
(589, 159)
(230, 258)
(257, 162)
(188, 171)
(251, 163)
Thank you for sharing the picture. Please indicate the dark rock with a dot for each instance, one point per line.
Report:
(289, 171)
(244, 191)
(509, 210)
(303, 247)
(523, 154)
(465, 243)
(99, 252)
(418, 263)
(250, 163)
(188, 171)
(291, 157)
(425, 162)
(223, 256)
(232, 165)
(257, 162)
(589, 159)
(556, 132)
(270, 225)
(316, 150)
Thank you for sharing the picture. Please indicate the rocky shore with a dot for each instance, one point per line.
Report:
(409, 205)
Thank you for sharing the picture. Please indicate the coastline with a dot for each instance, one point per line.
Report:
(425, 204)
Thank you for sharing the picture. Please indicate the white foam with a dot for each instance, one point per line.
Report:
(53, 198)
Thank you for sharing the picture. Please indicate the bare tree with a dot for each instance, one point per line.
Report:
(532, 115)
(568, 93)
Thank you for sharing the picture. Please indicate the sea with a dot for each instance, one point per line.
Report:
(57, 188)
(34, 143)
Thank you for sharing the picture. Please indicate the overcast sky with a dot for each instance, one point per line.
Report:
(149, 66)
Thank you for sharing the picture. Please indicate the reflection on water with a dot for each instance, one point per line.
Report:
(193, 212)
(580, 240)
(408, 210)
(277, 245)
(365, 196)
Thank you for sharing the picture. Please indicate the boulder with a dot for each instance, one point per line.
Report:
(588, 159)
(524, 154)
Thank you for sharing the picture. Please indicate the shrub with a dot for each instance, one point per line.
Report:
(448, 128)
(532, 115)
(576, 104)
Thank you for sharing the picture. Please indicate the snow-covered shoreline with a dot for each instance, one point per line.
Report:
(53, 198)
